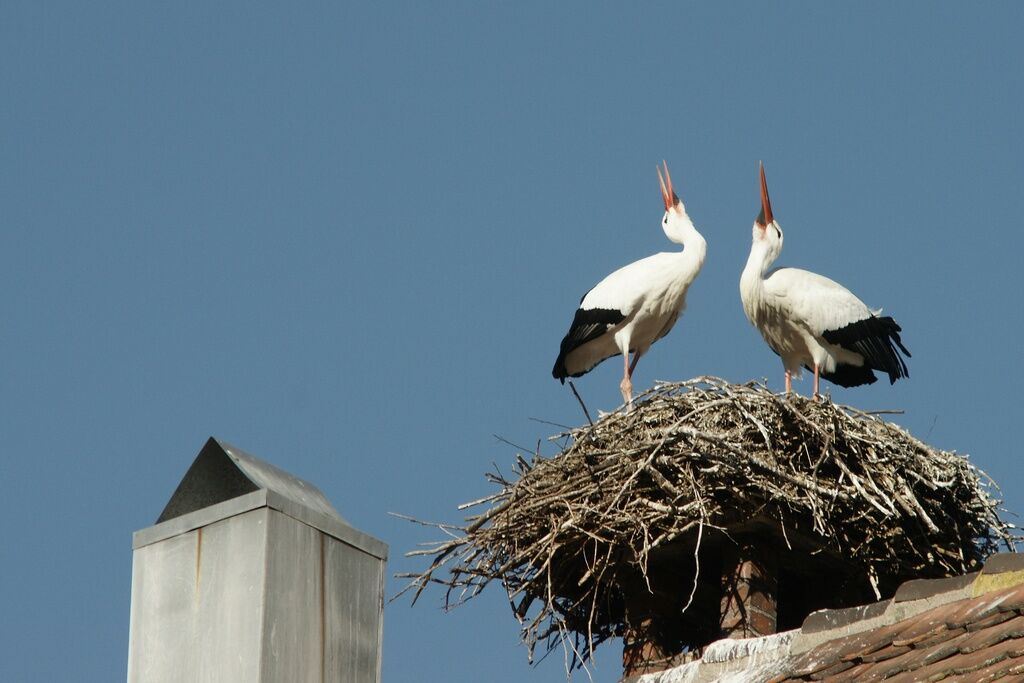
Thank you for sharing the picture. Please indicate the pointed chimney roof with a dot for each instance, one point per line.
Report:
(221, 472)
(224, 481)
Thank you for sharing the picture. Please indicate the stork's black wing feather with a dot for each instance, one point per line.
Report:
(588, 324)
(849, 375)
(877, 340)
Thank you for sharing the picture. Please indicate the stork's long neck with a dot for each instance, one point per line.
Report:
(695, 247)
(762, 255)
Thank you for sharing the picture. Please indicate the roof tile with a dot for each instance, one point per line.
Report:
(934, 672)
(1014, 599)
(853, 646)
(814, 661)
(945, 650)
(970, 610)
(834, 670)
(970, 640)
(942, 636)
(861, 672)
(980, 659)
(908, 661)
(1010, 669)
(925, 625)
(870, 641)
(994, 633)
(887, 652)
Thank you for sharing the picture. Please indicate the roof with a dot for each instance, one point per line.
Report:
(966, 628)
(222, 472)
(224, 481)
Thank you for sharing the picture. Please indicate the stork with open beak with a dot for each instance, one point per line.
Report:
(811, 321)
(637, 304)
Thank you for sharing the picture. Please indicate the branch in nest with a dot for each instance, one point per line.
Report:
(572, 533)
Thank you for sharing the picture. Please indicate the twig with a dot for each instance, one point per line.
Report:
(567, 536)
(583, 405)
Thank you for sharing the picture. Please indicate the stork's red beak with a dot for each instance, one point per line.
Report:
(765, 217)
(668, 195)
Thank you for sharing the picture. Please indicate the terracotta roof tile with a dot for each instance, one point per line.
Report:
(934, 672)
(995, 633)
(925, 630)
(968, 640)
(814, 661)
(851, 675)
(989, 621)
(971, 639)
(1014, 599)
(925, 649)
(908, 661)
(944, 650)
(868, 642)
(932, 622)
(828, 672)
(887, 652)
(940, 637)
(1002, 670)
(987, 657)
(975, 609)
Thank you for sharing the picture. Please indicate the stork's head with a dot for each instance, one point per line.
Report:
(676, 223)
(766, 230)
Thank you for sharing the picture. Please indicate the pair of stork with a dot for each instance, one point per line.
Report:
(807, 319)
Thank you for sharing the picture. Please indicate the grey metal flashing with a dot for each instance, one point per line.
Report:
(200, 518)
(333, 527)
(267, 476)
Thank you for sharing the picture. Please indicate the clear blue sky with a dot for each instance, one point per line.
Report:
(348, 239)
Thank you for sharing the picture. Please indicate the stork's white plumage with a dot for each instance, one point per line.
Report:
(637, 304)
(811, 321)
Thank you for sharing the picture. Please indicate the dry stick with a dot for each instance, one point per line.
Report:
(920, 510)
(582, 404)
(696, 549)
(589, 509)
(797, 480)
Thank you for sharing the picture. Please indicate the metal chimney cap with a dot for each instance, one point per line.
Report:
(221, 472)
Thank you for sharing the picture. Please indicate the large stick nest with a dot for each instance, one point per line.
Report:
(569, 536)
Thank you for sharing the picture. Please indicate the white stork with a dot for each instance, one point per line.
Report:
(812, 321)
(637, 304)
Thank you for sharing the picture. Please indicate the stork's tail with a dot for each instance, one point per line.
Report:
(877, 339)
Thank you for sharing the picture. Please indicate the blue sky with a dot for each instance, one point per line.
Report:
(348, 239)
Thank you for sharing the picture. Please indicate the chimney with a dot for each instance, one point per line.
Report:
(250, 575)
(749, 592)
(672, 616)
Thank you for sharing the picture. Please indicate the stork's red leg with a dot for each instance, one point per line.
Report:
(816, 369)
(632, 366)
(626, 387)
(789, 382)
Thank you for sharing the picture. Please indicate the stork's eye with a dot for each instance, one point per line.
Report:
(665, 220)
(777, 231)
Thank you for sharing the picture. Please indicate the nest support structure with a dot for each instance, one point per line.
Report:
(632, 526)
